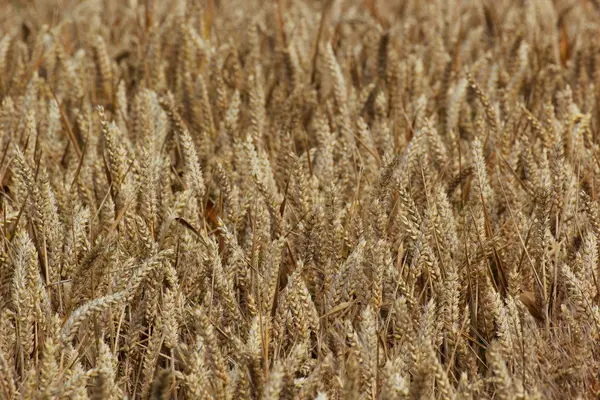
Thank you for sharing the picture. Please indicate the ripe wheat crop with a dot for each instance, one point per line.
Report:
(299, 199)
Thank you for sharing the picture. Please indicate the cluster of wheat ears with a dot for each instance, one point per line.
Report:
(344, 199)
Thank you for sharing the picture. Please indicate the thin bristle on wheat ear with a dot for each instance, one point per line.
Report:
(299, 199)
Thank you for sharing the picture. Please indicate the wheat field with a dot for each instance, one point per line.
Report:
(299, 199)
